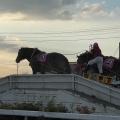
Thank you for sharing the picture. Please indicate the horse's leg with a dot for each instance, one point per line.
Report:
(42, 70)
(33, 66)
(34, 71)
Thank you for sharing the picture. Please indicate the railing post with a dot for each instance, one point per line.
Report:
(73, 84)
(10, 83)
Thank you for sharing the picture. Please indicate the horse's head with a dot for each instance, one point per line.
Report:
(84, 57)
(20, 55)
(26, 53)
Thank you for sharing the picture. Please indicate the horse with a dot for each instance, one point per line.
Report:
(43, 62)
(111, 65)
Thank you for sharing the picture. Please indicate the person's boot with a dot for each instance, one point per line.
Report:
(86, 68)
(101, 74)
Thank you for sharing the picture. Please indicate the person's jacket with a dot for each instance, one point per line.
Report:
(96, 51)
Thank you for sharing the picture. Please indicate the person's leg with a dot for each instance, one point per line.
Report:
(89, 64)
(100, 68)
(100, 64)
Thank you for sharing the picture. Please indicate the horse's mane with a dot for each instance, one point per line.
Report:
(84, 54)
(84, 57)
(110, 57)
(29, 48)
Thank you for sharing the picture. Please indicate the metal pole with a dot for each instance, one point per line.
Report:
(17, 68)
(90, 47)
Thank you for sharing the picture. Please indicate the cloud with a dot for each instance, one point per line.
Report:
(96, 7)
(5, 46)
(97, 11)
(35, 9)
(9, 47)
(11, 16)
(66, 15)
(67, 2)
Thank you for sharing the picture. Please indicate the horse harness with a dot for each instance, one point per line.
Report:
(34, 62)
(33, 59)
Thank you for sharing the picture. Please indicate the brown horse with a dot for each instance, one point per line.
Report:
(42, 62)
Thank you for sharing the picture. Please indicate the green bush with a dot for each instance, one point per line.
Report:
(27, 106)
(50, 107)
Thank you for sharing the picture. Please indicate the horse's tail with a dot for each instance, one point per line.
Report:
(67, 67)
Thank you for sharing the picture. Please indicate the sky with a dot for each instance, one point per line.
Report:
(63, 26)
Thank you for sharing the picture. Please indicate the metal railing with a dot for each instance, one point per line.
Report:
(64, 82)
(72, 116)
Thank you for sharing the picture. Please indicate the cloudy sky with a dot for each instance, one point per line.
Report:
(65, 26)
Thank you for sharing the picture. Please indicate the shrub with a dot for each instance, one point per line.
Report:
(6, 105)
(29, 106)
(85, 109)
(50, 107)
